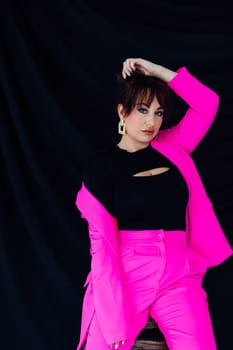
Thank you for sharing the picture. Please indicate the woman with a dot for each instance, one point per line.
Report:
(153, 231)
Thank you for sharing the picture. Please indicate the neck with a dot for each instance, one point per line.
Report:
(131, 146)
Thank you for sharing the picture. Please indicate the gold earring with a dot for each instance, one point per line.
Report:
(121, 127)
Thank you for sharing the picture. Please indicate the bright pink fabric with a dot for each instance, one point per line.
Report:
(156, 276)
(105, 294)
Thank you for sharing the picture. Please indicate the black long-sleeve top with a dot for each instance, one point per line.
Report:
(138, 202)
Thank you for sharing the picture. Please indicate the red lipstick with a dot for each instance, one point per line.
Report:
(148, 132)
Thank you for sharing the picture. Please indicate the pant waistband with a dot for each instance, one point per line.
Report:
(142, 235)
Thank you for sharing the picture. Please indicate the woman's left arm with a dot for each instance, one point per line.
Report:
(203, 102)
(203, 105)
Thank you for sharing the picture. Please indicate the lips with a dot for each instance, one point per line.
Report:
(148, 132)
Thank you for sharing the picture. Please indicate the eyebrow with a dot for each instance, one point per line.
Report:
(142, 103)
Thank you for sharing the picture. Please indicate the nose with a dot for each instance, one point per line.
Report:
(150, 121)
(153, 122)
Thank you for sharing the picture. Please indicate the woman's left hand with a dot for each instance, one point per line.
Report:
(144, 66)
(148, 68)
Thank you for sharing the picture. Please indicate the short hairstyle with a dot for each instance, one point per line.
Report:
(140, 88)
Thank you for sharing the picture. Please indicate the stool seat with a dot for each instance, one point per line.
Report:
(150, 338)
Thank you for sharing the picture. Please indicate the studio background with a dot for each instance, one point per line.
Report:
(58, 61)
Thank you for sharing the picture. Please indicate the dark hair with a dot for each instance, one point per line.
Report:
(140, 88)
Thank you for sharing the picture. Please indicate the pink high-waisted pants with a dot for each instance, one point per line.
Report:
(156, 275)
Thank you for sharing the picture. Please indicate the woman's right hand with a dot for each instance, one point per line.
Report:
(117, 344)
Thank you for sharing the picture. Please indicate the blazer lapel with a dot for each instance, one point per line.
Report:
(96, 215)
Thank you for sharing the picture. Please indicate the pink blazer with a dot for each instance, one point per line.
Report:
(208, 246)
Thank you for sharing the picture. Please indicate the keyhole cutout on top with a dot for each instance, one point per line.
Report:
(152, 172)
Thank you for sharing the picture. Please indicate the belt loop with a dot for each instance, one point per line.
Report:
(160, 235)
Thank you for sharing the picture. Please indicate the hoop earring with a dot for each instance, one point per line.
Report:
(121, 127)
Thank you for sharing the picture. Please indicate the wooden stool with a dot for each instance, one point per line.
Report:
(150, 338)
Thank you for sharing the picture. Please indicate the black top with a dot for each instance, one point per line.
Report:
(138, 202)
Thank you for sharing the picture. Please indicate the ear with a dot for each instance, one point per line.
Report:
(120, 111)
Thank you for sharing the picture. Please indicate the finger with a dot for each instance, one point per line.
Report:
(132, 64)
(127, 67)
(124, 74)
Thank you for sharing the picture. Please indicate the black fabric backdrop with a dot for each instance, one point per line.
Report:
(57, 98)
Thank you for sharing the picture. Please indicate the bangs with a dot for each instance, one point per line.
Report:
(146, 96)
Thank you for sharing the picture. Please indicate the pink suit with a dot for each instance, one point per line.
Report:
(107, 302)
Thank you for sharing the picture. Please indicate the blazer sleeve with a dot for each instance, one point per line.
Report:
(203, 105)
(109, 296)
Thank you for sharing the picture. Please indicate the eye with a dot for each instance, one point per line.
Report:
(160, 113)
(142, 110)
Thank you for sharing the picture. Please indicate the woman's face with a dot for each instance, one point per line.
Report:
(143, 122)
